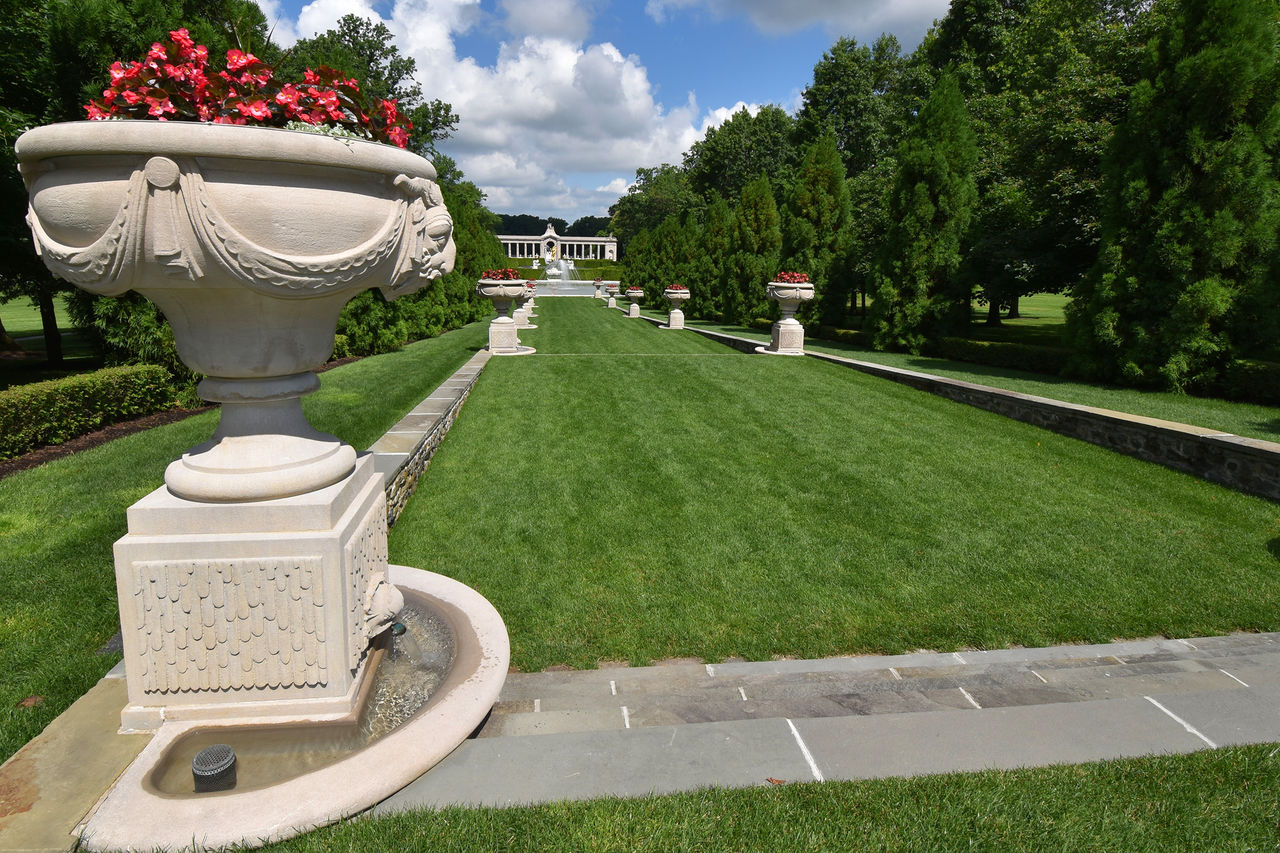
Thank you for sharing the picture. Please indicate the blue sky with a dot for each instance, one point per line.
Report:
(562, 100)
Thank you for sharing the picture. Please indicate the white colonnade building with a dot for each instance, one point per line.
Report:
(551, 246)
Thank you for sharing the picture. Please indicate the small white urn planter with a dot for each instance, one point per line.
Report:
(598, 284)
(530, 305)
(503, 336)
(612, 289)
(787, 336)
(635, 295)
(677, 297)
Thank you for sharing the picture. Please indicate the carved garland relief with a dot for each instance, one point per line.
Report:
(189, 234)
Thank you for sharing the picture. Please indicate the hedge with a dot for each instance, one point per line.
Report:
(58, 410)
(1015, 356)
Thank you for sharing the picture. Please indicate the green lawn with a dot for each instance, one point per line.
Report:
(22, 319)
(57, 523)
(1213, 800)
(632, 493)
(663, 496)
(1247, 419)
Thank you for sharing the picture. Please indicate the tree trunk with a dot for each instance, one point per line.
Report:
(993, 313)
(7, 343)
(1013, 310)
(49, 321)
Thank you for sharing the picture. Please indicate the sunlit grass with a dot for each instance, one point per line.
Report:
(1212, 800)
(634, 494)
(1246, 419)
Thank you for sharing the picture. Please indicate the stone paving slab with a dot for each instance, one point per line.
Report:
(690, 693)
(1240, 716)
(48, 786)
(870, 747)
(627, 763)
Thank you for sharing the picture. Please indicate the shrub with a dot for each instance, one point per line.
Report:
(52, 412)
(854, 337)
(1014, 356)
(1247, 381)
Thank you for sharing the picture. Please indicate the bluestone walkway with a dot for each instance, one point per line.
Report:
(661, 729)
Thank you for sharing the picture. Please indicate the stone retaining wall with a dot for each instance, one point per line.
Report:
(1247, 465)
(404, 453)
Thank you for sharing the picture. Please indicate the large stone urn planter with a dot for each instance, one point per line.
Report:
(503, 335)
(612, 289)
(787, 336)
(677, 296)
(255, 583)
(250, 240)
(598, 284)
(635, 294)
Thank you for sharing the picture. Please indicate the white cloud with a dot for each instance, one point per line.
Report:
(567, 19)
(720, 115)
(555, 125)
(865, 19)
(320, 15)
(280, 27)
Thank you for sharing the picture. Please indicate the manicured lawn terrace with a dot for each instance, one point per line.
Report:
(634, 494)
(1244, 419)
(631, 493)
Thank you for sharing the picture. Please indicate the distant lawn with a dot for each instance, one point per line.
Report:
(1247, 419)
(634, 494)
(21, 318)
(57, 523)
(1212, 800)
(22, 322)
(1041, 322)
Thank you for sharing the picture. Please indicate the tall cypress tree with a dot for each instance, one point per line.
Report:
(1186, 277)
(915, 287)
(815, 224)
(755, 244)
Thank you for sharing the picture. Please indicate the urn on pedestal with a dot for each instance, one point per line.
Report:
(612, 289)
(677, 295)
(253, 584)
(503, 288)
(789, 291)
(635, 294)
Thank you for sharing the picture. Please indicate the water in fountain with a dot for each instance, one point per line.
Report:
(413, 664)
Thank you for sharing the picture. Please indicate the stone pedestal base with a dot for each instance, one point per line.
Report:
(612, 303)
(675, 320)
(503, 338)
(259, 608)
(633, 310)
(787, 338)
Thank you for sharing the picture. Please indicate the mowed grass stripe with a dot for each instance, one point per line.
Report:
(634, 508)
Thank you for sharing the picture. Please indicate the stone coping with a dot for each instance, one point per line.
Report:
(1248, 465)
(404, 451)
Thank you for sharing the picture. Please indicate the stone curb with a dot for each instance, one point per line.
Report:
(405, 451)
(1247, 465)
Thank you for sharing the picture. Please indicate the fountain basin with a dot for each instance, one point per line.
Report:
(144, 812)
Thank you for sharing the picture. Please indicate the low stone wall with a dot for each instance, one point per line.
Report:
(1247, 465)
(405, 451)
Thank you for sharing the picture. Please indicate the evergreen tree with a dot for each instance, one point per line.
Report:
(755, 246)
(707, 268)
(1186, 278)
(916, 294)
(815, 226)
